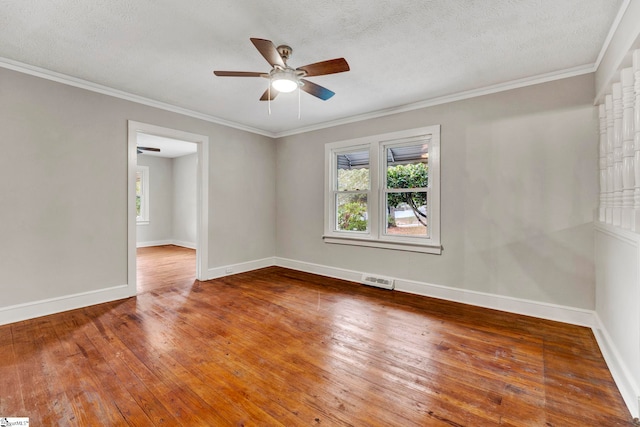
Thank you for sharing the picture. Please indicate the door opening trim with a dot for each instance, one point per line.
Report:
(202, 198)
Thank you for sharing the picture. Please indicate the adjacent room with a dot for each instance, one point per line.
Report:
(167, 169)
(320, 213)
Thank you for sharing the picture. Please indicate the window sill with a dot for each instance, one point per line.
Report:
(142, 222)
(397, 246)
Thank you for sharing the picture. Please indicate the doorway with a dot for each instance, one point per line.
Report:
(152, 136)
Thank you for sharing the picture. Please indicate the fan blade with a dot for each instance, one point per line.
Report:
(238, 74)
(269, 51)
(265, 95)
(157, 150)
(338, 65)
(316, 90)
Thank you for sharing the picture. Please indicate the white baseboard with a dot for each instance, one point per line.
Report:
(154, 243)
(629, 389)
(189, 245)
(542, 310)
(243, 267)
(30, 310)
(559, 313)
(571, 315)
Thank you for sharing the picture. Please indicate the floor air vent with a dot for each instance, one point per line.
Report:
(377, 281)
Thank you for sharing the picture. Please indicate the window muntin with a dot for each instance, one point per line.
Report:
(400, 206)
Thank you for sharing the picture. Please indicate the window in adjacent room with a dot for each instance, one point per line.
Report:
(384, 191)
(142, 195)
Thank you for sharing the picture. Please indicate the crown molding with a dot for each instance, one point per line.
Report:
(620, 53)
(612, 31)
(105, 90)
(488, 90)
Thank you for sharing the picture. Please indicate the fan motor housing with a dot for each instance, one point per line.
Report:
(285, 52)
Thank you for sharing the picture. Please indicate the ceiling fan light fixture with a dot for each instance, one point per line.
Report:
(284, 78)
(284, 81)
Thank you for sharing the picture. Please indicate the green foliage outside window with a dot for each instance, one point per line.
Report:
(352, 215)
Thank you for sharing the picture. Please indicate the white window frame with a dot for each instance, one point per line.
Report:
(143, 218)
(375, 235)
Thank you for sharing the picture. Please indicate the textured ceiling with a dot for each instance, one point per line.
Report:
(400, 52)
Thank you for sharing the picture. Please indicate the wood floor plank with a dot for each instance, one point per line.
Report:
(37, 376)
(11, 400)
(173, 357)
(228, 373)
(373, 354)
(265, 342)
(250, 352)
(280, 347)
(140, 380)
(137, 403)
(192, 389)
(80, 398)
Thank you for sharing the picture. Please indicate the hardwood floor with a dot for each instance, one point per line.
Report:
(279, 347)
(169, 265)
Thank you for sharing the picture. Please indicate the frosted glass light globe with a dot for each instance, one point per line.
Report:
(284, 81)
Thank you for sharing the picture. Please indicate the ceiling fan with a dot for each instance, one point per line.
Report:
(140, 150)
(284, 78)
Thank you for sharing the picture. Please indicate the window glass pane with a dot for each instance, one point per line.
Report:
(138, 192)
(407, 214)
(352, 212)
(407, 167)
(353, 171)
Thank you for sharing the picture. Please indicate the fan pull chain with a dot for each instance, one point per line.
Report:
(269, 96)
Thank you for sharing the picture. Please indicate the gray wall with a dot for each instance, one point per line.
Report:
(184, 199)
(519, 186)
(160, 227)
(518, 191)
(63, 188)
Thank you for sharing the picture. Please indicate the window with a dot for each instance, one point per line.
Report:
(384, 191)
(142, 195)
(352, 189)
